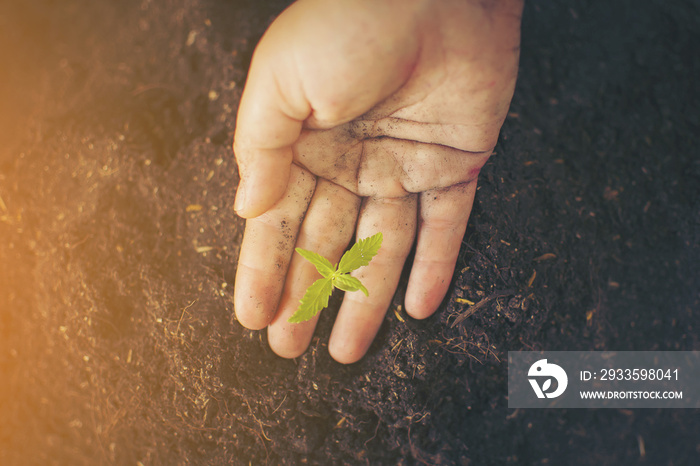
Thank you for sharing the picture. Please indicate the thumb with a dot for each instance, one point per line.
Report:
(269, 121)
(264, 175)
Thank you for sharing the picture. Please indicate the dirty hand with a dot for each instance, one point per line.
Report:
(361, 117)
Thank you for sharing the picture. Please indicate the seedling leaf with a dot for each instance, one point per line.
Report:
(348, 283)
(322, 264)
(360, 254)
(315, 299)
(317, 295)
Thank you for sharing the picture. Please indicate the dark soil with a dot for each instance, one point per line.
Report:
(118, 248)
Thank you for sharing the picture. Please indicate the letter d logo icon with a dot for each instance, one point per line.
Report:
(543, 369)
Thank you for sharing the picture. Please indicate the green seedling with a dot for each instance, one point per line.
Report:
(316, 297)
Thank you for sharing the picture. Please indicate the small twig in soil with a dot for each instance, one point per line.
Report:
(281, 403)
(481, 304)
(82, 241)
(150, 87)
(177, 330)
(376, 429)
(642, 449)
(258, 421)
(513, 414)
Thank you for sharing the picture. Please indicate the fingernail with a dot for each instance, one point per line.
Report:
(239, 203)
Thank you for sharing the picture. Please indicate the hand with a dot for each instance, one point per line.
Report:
(359, 117)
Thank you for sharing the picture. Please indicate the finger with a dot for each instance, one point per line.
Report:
(266, 250)
(269, 120)
(327, 229)
(443, 216)
(361, 316)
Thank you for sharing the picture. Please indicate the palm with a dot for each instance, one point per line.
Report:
(362, 158)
